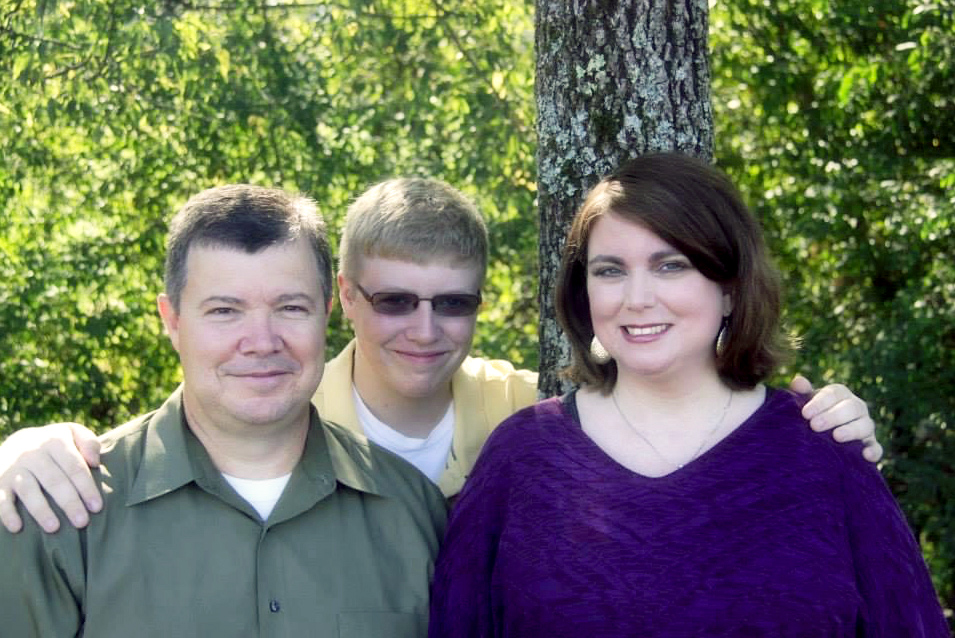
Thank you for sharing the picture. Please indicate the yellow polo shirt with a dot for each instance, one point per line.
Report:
(485, 393)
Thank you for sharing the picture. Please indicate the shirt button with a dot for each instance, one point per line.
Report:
(274, 606)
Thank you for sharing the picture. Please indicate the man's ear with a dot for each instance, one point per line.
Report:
(346, 296)
(170, 318)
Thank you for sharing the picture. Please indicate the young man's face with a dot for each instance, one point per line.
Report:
(409, 356)
(250, 333)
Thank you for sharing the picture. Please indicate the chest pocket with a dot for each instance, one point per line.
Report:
(372, 624)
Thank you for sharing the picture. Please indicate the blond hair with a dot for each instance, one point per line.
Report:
(413, 219)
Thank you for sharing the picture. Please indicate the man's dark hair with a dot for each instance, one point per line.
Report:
(250, 218)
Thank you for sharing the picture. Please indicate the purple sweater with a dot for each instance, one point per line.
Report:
(775, 531)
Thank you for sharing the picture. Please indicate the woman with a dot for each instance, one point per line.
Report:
(673, 494)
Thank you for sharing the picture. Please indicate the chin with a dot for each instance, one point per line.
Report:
(265, 412)
(424, 388)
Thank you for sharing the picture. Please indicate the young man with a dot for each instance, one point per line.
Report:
(234, 509)
(413, 260)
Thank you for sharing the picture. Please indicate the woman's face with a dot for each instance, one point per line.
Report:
(653, 311)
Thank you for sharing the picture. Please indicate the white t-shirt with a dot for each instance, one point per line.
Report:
(429, 455)
(262, 494)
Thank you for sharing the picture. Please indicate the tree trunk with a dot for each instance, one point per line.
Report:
(615, 79)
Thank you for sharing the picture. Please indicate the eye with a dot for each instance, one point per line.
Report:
(221, 311)
(394, 303)
(456, 305)
(294, 309)
(606, 271)
(674, 265)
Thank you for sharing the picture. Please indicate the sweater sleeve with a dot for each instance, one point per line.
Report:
(891, 575)
(462, 603)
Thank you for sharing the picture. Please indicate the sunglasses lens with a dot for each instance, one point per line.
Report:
(394, 303)
(456, 305)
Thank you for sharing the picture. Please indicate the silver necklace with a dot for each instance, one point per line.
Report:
(699, 450)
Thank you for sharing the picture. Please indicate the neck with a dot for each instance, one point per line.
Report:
(416, 416)
(660, 402)
(250, 451)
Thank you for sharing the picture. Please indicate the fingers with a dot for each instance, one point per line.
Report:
(859, 430)
(36, 459)
(836, 408)
(8, 512)
(835, 405)
(87, 443)
(31, 496)
(63, 473)
(873, 450)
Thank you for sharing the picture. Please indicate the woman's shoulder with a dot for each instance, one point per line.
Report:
(535, 422)
(781, 417)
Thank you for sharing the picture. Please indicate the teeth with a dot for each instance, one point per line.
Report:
(642, 332)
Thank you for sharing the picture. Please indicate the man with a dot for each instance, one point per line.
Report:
(413, 260)
(234, 509)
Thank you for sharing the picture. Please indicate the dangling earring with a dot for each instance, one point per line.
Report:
(721, 338)
(598, 352)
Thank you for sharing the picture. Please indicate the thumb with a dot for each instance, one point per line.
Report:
(801, 385)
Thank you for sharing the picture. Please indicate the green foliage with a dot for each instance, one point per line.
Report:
(116, 112)
(836, 119)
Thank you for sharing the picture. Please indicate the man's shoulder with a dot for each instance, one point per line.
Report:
(497, 370)
(143, 441)
(355, 455)
(125, 434)
(122, 449)
(500, 386)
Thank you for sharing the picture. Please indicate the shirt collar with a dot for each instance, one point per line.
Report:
(173, 457)
(165, 464)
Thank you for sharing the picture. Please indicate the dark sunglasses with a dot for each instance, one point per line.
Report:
(453, 304)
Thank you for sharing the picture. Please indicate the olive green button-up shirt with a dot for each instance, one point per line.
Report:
(347, 551)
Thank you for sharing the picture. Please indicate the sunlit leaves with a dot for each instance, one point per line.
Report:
(845, 148)
(115, 112)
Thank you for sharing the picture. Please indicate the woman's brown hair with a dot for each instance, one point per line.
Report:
(696, 209)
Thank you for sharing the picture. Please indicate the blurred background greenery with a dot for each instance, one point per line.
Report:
(837, 120)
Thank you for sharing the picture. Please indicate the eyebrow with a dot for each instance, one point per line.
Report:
(605, 258)
(657, 256)
(283, 298)
(221, 299)
(295, 296)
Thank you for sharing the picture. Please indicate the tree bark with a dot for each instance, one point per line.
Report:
(614, 80)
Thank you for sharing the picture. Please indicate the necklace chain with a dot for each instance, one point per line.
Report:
(643, 437)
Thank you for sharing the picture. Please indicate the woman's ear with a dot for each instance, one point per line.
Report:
(727, 304)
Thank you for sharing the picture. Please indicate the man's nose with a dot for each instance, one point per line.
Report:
(260, 335)
(424, 326)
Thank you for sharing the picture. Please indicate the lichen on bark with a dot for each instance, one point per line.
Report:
(615, 79)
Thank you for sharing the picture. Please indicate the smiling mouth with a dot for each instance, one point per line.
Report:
(420, 356)
(636, 331)
(262, 375)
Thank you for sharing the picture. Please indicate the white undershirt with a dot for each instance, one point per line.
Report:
(429, 455)
(262, 494)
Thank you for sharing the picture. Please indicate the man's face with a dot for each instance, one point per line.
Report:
(411, 356)
(250, 333)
